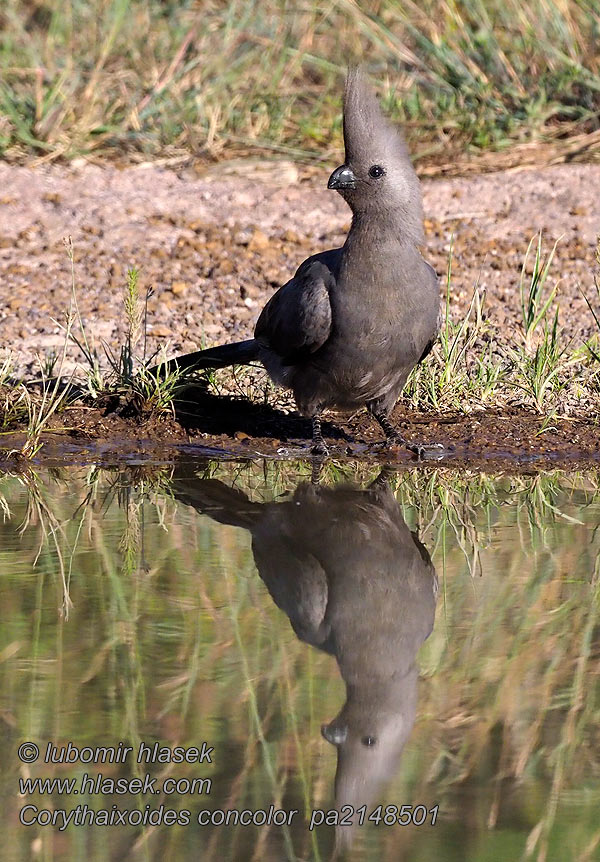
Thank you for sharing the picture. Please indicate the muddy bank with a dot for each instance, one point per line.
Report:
(226, 427)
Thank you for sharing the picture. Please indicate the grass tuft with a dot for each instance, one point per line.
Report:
(534, 302)
(474, 366)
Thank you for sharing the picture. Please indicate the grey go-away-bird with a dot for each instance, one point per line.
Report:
(348, 328)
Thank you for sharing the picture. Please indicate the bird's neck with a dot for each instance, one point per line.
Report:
(380, 229)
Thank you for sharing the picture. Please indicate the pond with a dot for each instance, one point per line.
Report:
(238, 660)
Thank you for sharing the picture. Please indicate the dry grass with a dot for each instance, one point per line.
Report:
(142, 78)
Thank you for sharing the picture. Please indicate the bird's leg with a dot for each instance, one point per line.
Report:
(317, 447)
(382, 481)
(395, 438)
(318, 444)
(317, 469)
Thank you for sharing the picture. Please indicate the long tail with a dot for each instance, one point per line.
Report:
(212, 497)
(239, 353)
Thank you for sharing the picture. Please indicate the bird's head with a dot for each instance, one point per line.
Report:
(377, 176)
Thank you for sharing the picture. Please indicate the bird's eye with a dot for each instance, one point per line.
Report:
(376, 171)
(368, 740)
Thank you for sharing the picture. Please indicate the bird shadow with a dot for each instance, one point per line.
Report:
(198, 410)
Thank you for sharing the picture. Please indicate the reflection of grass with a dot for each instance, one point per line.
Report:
(216, 80)
(173, 637)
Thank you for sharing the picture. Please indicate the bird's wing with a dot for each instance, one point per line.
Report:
(440, 318)
(296, 321)
(296, 581)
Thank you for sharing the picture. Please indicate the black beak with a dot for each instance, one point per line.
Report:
(342, 178)
(334, 734)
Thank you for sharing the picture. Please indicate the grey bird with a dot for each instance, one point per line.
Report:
(355, 582)
(348, 328)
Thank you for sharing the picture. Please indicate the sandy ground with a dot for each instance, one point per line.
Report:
(215, 247)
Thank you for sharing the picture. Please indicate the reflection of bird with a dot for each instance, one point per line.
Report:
(348, 328)
(354, 581)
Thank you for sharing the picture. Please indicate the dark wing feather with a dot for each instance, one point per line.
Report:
(296, 321)
(438, 325)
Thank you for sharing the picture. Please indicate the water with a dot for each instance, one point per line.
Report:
(425, 639)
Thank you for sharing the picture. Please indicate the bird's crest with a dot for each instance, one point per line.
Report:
(367, 133)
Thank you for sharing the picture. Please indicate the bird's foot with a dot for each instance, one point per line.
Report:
(427, 451)
(394, 438)
(423, 451)
(318, 451)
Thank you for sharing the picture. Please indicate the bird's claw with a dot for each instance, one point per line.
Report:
(293, 451)
(319, 451)
(423, 451)
(428, 451)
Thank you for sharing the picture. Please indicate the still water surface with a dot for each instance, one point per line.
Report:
(415, 653)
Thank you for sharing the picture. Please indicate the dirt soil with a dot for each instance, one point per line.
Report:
(215, 246)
